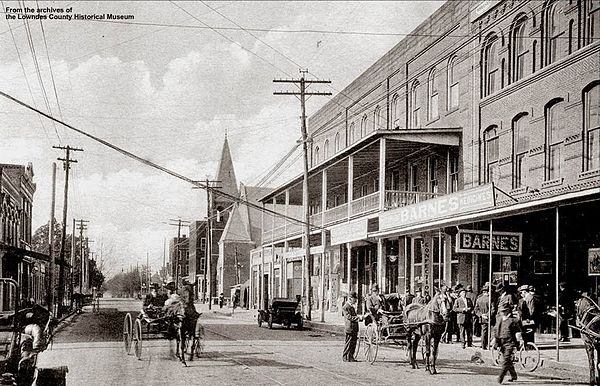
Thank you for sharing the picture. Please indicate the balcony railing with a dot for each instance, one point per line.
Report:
(336, 214)
(365, 204)
(294, 228)
(316, 219)
(398, 198)
(279, 232)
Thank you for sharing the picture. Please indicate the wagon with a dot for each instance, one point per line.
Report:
(281, 311)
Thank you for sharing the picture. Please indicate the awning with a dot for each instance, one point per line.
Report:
(22, 254)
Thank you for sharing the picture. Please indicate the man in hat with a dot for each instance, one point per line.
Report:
(482, 309)
(153, 301)
(505, 300)
(376, 303)
(566, 307)
(463, 308)
(419, 298)
(408, 297)
(474, 321)
(351, 327)
(507, 334)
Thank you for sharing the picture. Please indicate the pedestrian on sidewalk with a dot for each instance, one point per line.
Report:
(566, 307)
(482, 309)
(463, 308)
(351, 327)
(508, 335)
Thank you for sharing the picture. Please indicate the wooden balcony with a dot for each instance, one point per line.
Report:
(365, 204)
(336, 214)
(398, 198)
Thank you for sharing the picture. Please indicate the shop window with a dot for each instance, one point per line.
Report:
(555, 32)
(351, 133)
(438, 258)
(432, 96)
(377, 119)
(520, 149)
(554, 138)
(491, 65)
(326, 150)
(453, 173)
(520, 49)
(395, 111)
(337, 146)
(415, 107)
(593, 21)
(417, 266)
(432, 169)
(491, 154)
(363, 126)
(592, 127)
(453, 88)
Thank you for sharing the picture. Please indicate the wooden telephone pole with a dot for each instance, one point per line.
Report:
(305, 197)
(67, 161)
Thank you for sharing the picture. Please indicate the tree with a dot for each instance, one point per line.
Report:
(39, 241)
(96, 275)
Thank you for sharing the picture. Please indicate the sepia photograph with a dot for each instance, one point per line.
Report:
(299, 192)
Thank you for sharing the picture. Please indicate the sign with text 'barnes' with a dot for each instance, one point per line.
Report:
(503, 243)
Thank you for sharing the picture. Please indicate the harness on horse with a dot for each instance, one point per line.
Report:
(583, 327)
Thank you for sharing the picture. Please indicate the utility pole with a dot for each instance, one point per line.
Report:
(51, 243)
(208, 250)
(81, 227)
(305, 197)
(67, 161)
(147, 274)
(178, 224)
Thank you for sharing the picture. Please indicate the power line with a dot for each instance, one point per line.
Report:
(50, 65)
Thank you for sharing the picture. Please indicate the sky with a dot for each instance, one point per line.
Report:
(168, 86)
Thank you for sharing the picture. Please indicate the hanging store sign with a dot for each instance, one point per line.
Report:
(503, 243)
(348, 232)
(594, 262)
(449, 205)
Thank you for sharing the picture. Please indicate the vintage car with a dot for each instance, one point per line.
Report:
(281, 311)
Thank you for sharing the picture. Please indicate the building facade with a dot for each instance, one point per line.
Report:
(197, 257)
(179, 258)
(483, 124)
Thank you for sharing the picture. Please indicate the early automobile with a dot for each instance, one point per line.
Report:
(281, 311)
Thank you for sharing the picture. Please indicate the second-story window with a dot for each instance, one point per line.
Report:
(413, 177)
(326, 150)
(519, 49)
(593, 32)
(452, 84)
(316, 156)
(491, 66)
(554, 139)
(432, 96)
(395, 112)
(351, 134)
(415, 106)
(377, 119)
(364, 122)
(453, 173)
(592, 127)
(337, 145)
(555, 32)
(432, 169)
(520, 149)
(490, 137)
(203, 243)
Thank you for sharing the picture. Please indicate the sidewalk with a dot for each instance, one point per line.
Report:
(227, 312)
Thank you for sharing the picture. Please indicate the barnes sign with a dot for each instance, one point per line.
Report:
(503, 243)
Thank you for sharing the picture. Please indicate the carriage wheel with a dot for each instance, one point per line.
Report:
(372, 344)
(529, 357)
(127, 327)
(259, 319)
(300, 323)
(137, 339)
(270, 321)
(496, 355)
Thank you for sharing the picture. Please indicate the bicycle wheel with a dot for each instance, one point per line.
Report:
(372, 344)
(529, 356)
(127, 329)
(496, 355)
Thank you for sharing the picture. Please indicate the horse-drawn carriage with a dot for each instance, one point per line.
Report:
(281, 311)
(156, 323)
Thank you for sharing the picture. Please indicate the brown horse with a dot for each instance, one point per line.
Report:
(588, 321)
(427, 322)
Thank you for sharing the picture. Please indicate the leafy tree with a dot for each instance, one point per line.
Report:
(39, 241)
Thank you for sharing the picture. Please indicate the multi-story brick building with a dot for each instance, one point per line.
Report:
(17, 260)
(179, 257)
(485, 119)
(197, 257)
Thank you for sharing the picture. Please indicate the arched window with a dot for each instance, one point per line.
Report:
(337, 146)
(555, 32)
(520, 49)
(415, 107)
(377, 119)
(593, 33)
(432, 96)
(591, 102)
(491, 66)
(520, 149)
(395, 111)
(554, 138)
(316, 156)
(351, 133)
(363, 125)
(491, 154)
(452, 84)
(326, 150)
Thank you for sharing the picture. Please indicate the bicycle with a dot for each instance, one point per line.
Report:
(527, 355)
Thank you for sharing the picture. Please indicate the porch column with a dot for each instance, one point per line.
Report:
(349, 266)
(323, 196)
(273, 220)
(322, 281)
(286, 211)
(382, 174)
(350, 185)
(381, 264)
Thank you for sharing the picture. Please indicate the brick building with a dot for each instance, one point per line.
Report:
(197, 257)
(485, 119)
(179, 258)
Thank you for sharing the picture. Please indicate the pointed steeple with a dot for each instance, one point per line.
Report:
(225, 172)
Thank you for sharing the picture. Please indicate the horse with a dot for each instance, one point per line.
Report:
(427, 322)
(183, 324)
(588, 322)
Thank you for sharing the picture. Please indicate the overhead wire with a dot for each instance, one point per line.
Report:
(50, 65)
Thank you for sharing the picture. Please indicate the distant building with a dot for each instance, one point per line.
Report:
(197, 257)
(179, 257)
(17, 261)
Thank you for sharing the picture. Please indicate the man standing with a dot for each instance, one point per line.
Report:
(566, 310)
(507, 334)
(463, 308)
(482, 309)
(408, 297)
(351, 327)
(505, 300)
(474, 321)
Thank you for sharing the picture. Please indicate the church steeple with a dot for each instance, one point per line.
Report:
(226, 173)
